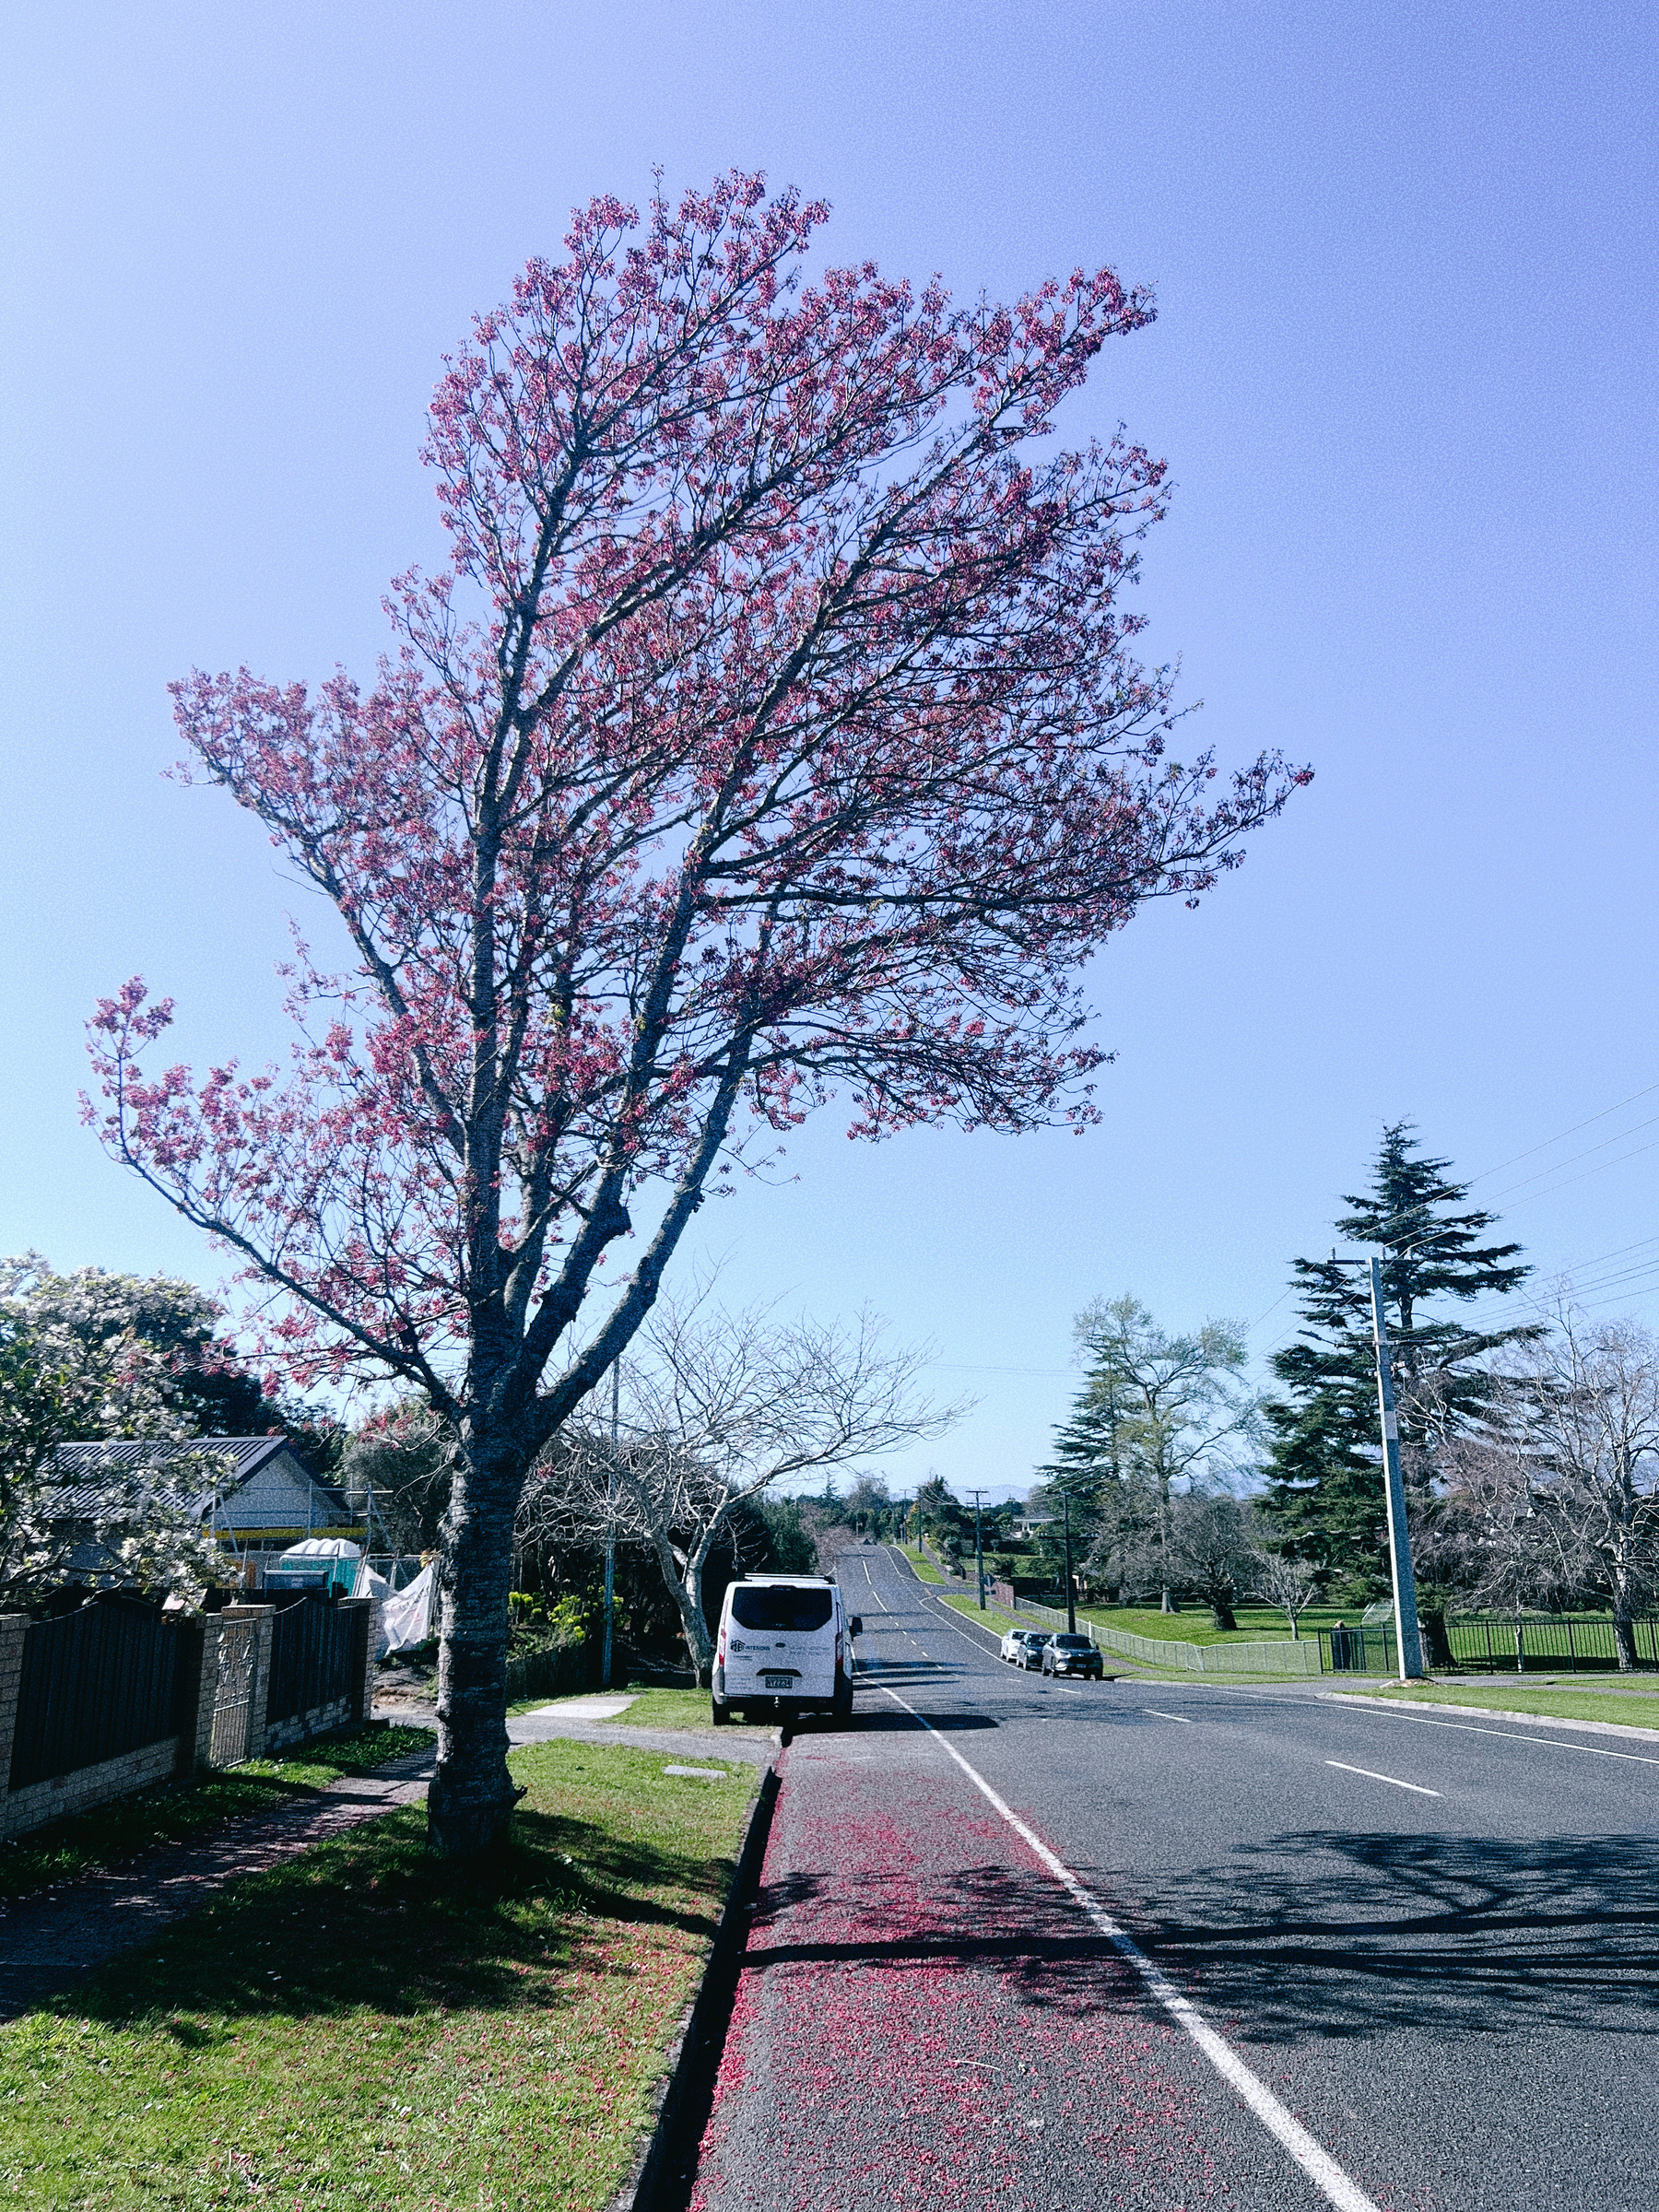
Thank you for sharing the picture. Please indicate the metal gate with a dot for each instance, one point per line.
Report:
(233, 1692)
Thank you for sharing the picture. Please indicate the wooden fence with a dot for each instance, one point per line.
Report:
(108, 1679)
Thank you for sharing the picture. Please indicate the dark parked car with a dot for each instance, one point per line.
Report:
(1072, 1656)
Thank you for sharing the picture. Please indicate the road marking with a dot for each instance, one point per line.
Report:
(1370, 1774)
(1167, 1716)
(1515, 1735)
(1315, 2161)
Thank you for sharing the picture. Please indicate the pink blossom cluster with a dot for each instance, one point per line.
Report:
(773, 731)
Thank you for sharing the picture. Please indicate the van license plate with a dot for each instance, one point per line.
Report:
(779, 1681)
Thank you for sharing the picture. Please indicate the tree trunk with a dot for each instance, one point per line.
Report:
(691, 1608)
(471, 1794)
(1223, 1614)
(686, 1588)
(1624, 1608)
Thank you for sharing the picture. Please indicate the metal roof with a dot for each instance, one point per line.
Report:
(80, 1496)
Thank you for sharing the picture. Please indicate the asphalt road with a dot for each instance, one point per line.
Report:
(1167, 1945)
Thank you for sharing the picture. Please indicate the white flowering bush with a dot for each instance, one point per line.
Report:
(77, 1368)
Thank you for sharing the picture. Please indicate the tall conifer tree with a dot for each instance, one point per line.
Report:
(1325, 1478)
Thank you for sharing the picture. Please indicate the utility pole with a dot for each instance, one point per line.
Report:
(611, 1526)
(1071, 1596)
(978, 1545)
(1408, 1641)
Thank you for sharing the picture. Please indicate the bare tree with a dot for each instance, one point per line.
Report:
(1290, 1584)
(1207, 1543)
(717, 1408)
(1485, 1532)
(1590, 1399)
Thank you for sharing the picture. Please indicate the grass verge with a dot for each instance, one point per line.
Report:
(1546, 1704)
(366, 2025)
(991, 1617)
(113, 1834)
(652, 1707)
(925, 1570)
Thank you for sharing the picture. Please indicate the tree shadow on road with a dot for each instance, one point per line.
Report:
(1326, 1934)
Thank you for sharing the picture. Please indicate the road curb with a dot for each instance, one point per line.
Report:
(665, 2167)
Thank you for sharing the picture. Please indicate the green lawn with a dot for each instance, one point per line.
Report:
(115, 1832)
(1257, 1624)
(1632, 1711)
(925, 1570)
(369, 2027)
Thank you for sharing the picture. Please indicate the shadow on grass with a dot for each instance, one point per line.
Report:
(372, 1920)
(113, 1835)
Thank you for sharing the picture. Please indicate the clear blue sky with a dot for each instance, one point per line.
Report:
(1404, 371)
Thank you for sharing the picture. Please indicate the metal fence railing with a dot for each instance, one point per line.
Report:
(108, 1679)
(1577, 1642)
(1295, 1660)
(1358, 1650)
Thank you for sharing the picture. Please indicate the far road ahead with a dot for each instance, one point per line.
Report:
(1389, 1959)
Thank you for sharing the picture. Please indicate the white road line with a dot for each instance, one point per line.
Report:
(1514, 1735)
(1371, 1775)
(1315, 2161)
(1167, 1716)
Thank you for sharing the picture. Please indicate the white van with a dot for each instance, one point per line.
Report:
(786, 1647)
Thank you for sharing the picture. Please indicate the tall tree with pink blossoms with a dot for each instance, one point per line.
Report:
(773, 731)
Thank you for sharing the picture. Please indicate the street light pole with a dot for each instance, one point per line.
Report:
(1071, 1596)
(978, 1545)
(1408, 1641)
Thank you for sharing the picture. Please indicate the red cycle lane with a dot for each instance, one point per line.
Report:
(924, 2018)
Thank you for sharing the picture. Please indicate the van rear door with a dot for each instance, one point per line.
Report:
(787, 1631)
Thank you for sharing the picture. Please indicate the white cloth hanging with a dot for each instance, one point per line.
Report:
(406, 1615)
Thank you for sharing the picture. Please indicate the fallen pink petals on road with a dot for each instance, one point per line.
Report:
(924, 2020)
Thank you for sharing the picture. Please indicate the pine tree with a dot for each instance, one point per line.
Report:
(1325, 1489)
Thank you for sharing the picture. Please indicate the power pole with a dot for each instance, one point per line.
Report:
(978, 1545)
(1071, 1596)
(1408, 1641)
(611, 1526)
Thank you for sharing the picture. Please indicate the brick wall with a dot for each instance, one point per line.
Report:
(65, 1793)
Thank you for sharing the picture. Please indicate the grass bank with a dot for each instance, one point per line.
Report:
(991, 1617)
(1630, 1711)
(114, 1833)
(365, 2025)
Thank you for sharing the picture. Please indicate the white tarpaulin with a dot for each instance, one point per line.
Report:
(406, 1615)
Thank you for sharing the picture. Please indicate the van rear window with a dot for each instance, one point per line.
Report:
(776, 1605)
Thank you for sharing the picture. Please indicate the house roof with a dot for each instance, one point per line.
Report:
(86, 1469)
